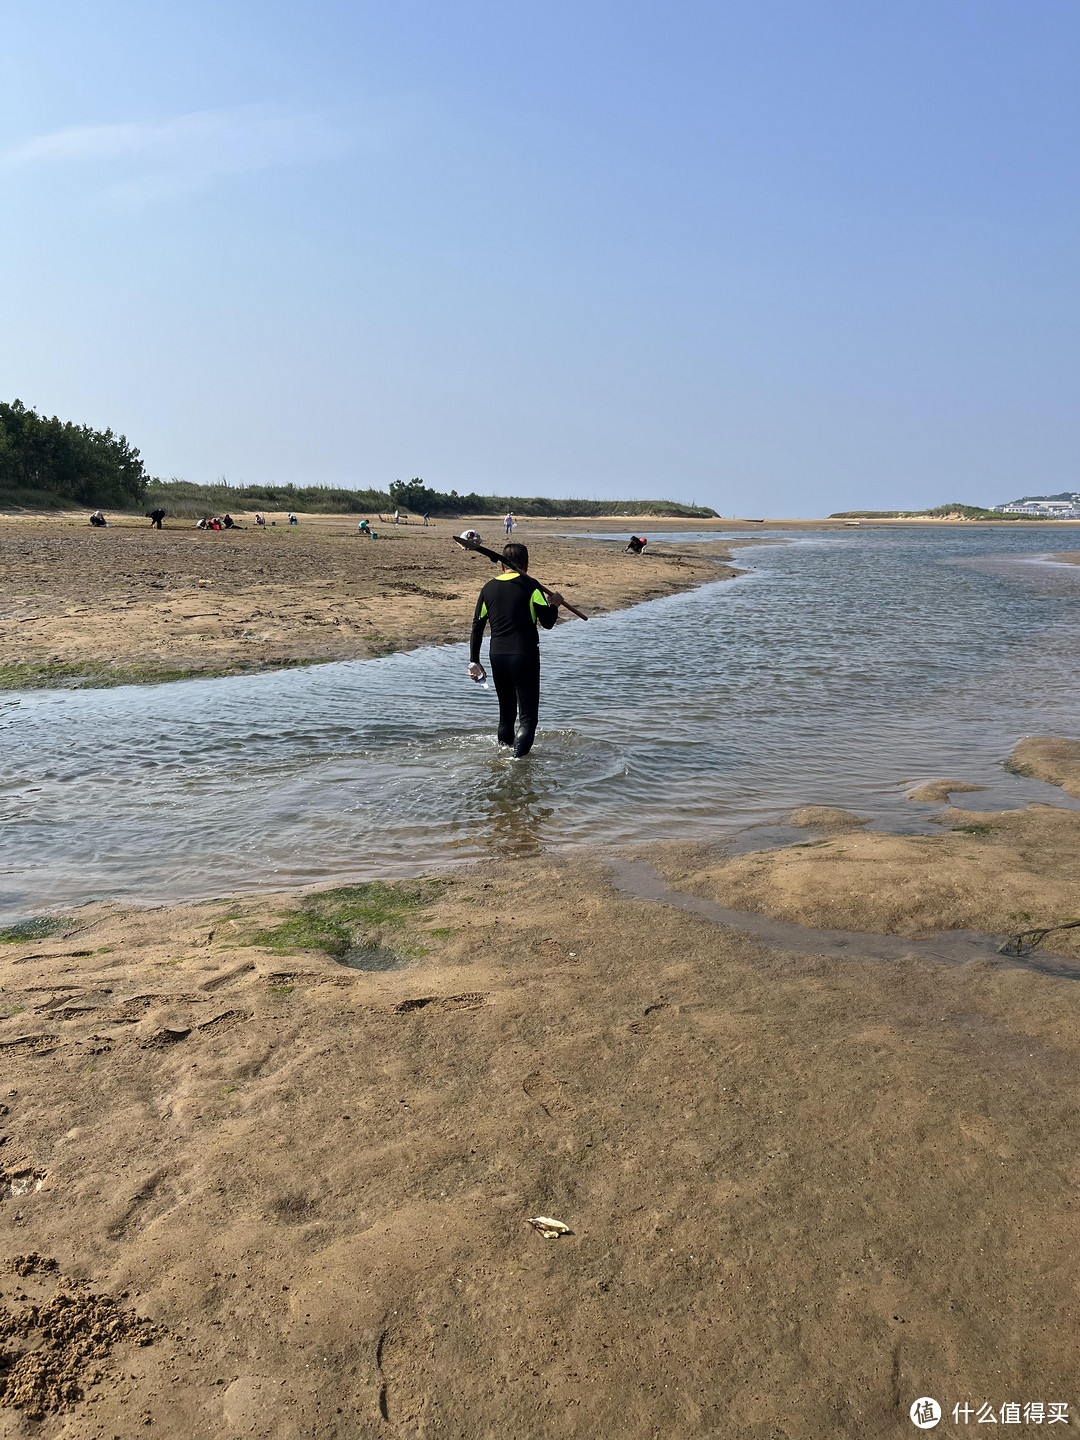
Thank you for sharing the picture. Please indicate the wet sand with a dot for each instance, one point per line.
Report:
(130, 603)
(803, 1190)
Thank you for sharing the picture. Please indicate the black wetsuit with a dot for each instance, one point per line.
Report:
(513, 607)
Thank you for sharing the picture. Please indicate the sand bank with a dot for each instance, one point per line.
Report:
(802, 1191)
(100, 607)
(998, 872)
(1048, 758)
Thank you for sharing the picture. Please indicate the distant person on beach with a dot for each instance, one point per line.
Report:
(425, 519)
(156, 516)
(637, 544)
(260, 520)
(292, 519)
(228, 522)
(473, 535)
(513, 607)
(509, 523)
(365, 529)
(97, 519)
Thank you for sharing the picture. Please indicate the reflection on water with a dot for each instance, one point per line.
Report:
(844, 667)
(514, 810)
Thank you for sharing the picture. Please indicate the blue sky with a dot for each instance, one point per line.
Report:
(781, 258)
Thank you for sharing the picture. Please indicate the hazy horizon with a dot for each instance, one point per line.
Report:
(773, 258)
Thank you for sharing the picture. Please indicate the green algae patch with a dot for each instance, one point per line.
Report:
(69, 675)
(351, 923)
(39, 928)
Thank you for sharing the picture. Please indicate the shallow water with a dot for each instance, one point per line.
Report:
(845, 666)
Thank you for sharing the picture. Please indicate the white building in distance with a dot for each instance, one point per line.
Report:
(1048, 509)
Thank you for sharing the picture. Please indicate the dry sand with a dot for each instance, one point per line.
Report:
(85, 606)
(802, 1191)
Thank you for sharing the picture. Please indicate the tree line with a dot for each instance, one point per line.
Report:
(48, 461)
(414, 495)
(51, 462)
(184, 498)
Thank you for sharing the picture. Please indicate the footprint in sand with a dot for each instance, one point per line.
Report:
(442, 1003)
(548, 1092)
(227, 1020)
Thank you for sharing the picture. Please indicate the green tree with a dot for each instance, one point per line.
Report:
(61, 462)
(416, 496)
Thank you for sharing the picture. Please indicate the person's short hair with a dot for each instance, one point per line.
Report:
(516, 556)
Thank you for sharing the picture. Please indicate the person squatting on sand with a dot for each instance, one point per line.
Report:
(513, 607)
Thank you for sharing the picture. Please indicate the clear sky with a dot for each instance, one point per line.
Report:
(782, 257)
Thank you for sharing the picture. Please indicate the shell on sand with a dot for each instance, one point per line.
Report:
(550, 1229)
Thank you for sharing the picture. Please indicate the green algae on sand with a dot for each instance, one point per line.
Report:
(71, 675)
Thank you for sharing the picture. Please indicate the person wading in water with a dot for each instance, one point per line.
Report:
(514, 607)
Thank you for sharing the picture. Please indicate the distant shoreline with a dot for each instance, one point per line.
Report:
(127, 605)
(619, 523)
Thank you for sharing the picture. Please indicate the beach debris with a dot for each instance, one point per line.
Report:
(14, 1184)
(550, 1229)
(206, 582)
(1028, 940)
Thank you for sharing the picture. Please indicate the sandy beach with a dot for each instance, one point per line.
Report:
(269, 1160)
(130, 603)
(252, 1190)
